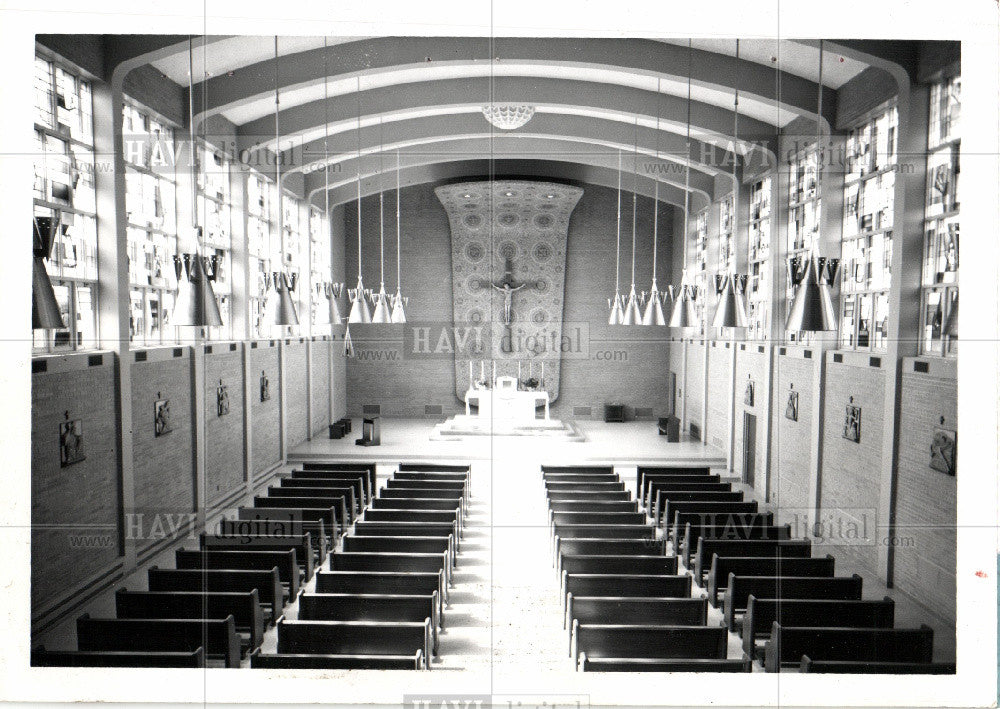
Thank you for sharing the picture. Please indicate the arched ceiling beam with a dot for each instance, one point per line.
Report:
(712, 72)
(456, 161)
(710, 124)
(483, 145)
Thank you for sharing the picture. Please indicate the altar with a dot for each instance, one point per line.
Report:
(506, 401)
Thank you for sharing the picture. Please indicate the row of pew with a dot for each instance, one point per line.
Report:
(627, 609)
(770, 586)
(379, 598)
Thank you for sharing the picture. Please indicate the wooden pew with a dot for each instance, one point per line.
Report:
(383, 561)
(699, 521)
(579, 477)
(243, 606)
(589, 496)
(267, 583)
(628, 585)
(837, 588)
(332, 493)
(787, 645)
(671, 509)
(665, 499)
(332, 637)
(645, 473)
(579, 469)
(231, 538)
(761, 614)
(614, 518)
(686, 482)
(403, 544)
(721, 567)
(632, 610)
(331, 467)
(613, 564)
(363, 528)
(605, 531)
(416, 504)
(604, 547)
(422, 493)
(332, 510)
(284, 561)
(414, 517)
(289, 512)
(598, 506)
(304, 661)
(275, 522)
(382, 582)
(741, 527)
(810, 666)
(598, 486)
(364, 489)
(40, 657)
(306, 478)
(458, 486)
(640, 664)
(217, 636)
(455, 468)
(411, 608)
(661, 642)
(784, 548)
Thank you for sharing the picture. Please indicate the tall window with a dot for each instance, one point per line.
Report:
(259, 246)
(939, 293)
(295, 257)
(64, 191)
(866, 251)
(151, 215)
(726, 237)
(319, 263)
(214, 215)
(701, 265)
(758, 257)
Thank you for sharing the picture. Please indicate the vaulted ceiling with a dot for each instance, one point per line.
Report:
(355, 103)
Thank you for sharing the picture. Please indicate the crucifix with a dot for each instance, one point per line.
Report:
(507, 285)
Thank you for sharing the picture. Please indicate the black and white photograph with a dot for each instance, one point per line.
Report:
(480, 333)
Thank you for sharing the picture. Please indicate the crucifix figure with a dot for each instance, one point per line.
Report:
(507, 285)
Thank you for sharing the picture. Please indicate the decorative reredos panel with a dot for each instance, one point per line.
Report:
(509, 233)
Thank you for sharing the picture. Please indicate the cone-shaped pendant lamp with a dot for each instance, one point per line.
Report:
(731, 312)
(382, 315)
(331, 290)
(616, 302)
(632, 314)
(285, 314)
(654, 308)
(812, 308)
(684, 315)
(398, 301)
(195, 305)
(45, 314)
(359, 301)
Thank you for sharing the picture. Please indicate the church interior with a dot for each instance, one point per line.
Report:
(468, 362)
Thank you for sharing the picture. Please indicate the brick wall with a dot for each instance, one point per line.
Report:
(320, 386)
(850, 483)
(719, 385)
(925, 498)
(791, 441)
(297, 388)
(695, 382)
(163, 467)
(625, 364)
(224, 434)
(265, 443)
(80, 498)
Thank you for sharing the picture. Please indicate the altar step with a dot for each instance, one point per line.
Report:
(461, 427)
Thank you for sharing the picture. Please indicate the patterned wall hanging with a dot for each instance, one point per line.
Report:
(222, 399)
(852, 422)
(265, 387)
(508, 255)
(943, 449)
(792, 407)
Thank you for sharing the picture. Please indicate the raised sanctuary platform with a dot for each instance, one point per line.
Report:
(464, 425)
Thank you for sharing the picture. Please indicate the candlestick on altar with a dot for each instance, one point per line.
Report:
(494, 373)
(470, 373)
(529, 368)
(518, 370)
(543, 373)
(482, 370)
